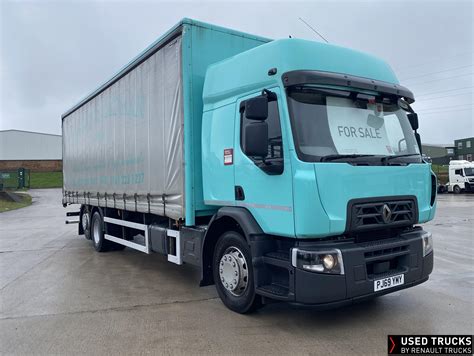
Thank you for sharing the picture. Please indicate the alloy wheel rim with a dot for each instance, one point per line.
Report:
(233, 271)
(85, 221)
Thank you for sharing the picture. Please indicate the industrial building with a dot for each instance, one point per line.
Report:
(462, 149)
(439, 154)
(36, 151)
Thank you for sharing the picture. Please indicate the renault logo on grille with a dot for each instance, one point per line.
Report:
(386, 213)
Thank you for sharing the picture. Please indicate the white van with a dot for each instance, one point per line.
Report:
(461, 176)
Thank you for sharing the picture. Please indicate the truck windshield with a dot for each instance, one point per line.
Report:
(341, 125)
(469, 171)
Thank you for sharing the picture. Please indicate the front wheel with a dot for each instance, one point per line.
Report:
(233, 273)
(457, 189)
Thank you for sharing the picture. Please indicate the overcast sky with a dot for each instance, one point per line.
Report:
(54, 53)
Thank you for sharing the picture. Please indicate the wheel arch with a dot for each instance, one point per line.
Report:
(226, 219)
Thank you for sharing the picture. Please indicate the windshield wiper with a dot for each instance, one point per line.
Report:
(388, 158)
(333, 157)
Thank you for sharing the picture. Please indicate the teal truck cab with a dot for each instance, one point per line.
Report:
(323, 170)
(308, 174)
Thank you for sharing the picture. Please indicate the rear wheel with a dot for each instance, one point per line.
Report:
(457, 189)
(97, 234)
(85, 223)
(233, 273)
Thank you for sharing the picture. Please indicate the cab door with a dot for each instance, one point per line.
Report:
(264, 185)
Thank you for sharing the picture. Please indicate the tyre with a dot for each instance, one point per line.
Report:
(97, 234)
(86, 223)
(233, 273)
(457, 189)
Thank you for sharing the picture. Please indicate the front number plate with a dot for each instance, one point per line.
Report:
(389, 282)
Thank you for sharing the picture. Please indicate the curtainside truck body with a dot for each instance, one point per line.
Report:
(285, 170)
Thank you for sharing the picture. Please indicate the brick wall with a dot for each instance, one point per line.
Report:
(34, 166)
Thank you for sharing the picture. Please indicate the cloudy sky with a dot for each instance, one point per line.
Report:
(54, 53)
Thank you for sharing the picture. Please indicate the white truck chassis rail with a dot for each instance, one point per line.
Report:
(143, 248)
(177, 259)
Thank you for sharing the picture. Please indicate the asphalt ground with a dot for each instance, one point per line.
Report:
(59, 296)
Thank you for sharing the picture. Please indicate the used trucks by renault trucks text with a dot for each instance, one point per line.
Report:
(284, 169)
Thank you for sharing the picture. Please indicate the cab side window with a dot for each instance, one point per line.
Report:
(273, 162)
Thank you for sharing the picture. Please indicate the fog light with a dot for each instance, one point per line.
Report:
(329, 262)
(326, 261)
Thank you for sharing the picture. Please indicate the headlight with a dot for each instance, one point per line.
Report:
(427, 243)
(327, 261)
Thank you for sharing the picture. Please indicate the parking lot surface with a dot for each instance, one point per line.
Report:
(59, 296)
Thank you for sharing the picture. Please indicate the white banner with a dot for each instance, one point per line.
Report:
(355, 130)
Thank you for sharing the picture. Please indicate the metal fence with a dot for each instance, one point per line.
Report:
(17, 179)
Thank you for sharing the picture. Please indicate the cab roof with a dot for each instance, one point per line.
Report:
(249, 69)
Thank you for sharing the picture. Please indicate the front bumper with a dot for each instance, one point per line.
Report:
(404, 255)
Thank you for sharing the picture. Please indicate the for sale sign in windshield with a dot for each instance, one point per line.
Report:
(355, 130)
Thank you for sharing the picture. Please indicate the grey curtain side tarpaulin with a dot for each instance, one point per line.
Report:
(124, 148)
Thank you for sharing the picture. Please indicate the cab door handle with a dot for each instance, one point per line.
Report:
(239, 193)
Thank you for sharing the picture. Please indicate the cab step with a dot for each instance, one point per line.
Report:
(278, 258)
(281, 255)
(274, 291)
(276, 263)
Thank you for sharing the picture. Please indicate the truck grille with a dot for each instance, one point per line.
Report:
(386, 252)
(381, 214)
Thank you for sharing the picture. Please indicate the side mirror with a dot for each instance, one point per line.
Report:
(255, 140)
(257, 108)
(413, 118)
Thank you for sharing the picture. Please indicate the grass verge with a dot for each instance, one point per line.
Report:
(40, 180)
(11, 205)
